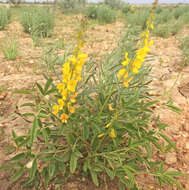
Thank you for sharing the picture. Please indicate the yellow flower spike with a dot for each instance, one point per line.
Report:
(110, 107)
(72, 85)
(71, 109)
(61, 103)
(100, 135)
(64, 117)
(73, 60)
(112, 133)
(55, 109)
(121, 73)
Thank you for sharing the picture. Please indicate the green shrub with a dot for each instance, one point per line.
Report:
(165, 17)
(178, 12)
(158, 9)
(10, 48)
(126, 9)
(185, 18)
(38, 21)
(91, 11)
(139, 17)
(70, 5)
(105, 14)
(114, 4)
(162, 30)
(184, 46)
(4, 17)
(113, 132)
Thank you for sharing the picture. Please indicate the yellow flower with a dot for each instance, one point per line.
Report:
(152, 26)
(73, 60)
(108, 125)
(60, 87)
(61, 103)
(121, 73)
(126, 82)
(112, 133)
(71, 109)
(64, 94)
(55, 109)
(64, 118)
(126, 55)
(72, 98)
(126, 62)
(72, 85)
(134, 70)
(110, 107)
(100, 135)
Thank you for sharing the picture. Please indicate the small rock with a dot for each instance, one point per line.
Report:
(170, 158)
(187, 145)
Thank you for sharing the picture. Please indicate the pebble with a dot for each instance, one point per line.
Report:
(170, 158)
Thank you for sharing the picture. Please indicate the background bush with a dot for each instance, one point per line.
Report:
(10, 48)
(38, 21)
(103, 13)
(115, 4)
(91, 11)
(184, 46)
(71, 5)
(4, 17)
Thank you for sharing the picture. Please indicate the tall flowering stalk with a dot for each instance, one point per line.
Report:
(132, 66)
(71, 75)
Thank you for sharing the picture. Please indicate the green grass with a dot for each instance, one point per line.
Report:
(38, 21)
(10, 49)
(4, 17)
(184, 46)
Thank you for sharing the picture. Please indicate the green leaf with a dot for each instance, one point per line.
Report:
(28, 115)
(17, 175)
(73, 162)
(40, 88)
(27, 104)
(121, 186)
(52, 168)
(85, 132)
(50, 91)
(18, 157)
(33, 169)
(5, 167)
(110, 173)
(33, 131)
(48, 83)
(94, 177)
(170, 142)
(174, 173)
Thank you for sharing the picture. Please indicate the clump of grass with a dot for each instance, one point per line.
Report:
(184, 46)
(4, 18)
(38, 21)
(91, 11)
(138, 17)
(162, 31)
(165, 17)
(126, 9)
(103, 13)
(114, 4)
(10, 48)
(71, 5)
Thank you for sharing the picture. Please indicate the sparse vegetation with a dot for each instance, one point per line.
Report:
(38, 21)
(184, 46)
(4, 17)
(10, 48)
